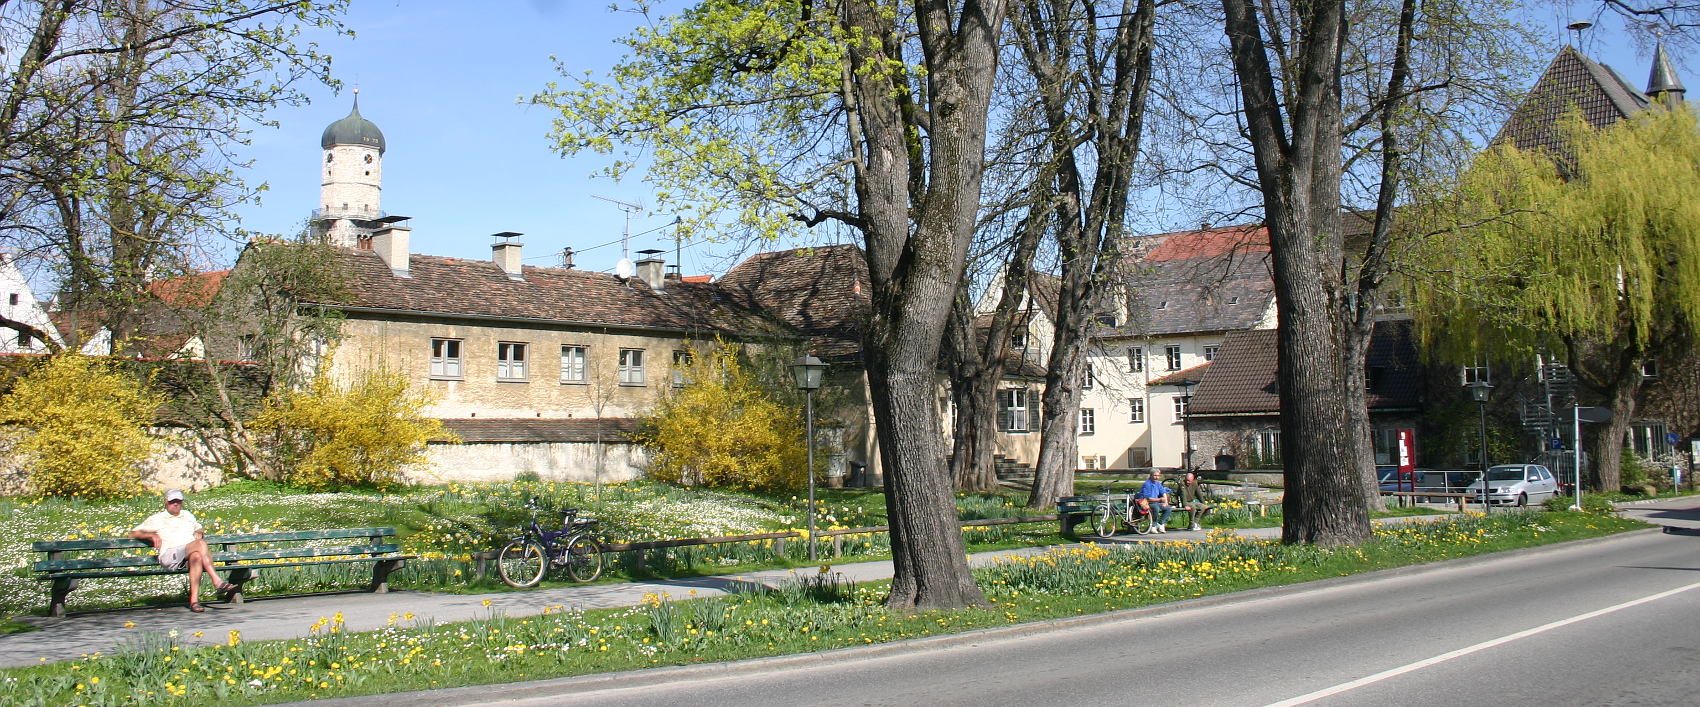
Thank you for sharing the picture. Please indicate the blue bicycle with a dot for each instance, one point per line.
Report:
(524, 561)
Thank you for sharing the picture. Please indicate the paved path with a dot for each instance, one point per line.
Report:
(266, 618)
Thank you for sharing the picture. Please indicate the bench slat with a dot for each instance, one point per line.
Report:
(156, 571)
(124, 543)
(93, 563)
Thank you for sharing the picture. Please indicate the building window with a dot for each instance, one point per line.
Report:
(1234, 300)
(572, 364)
(1135, 359)
(1018, 339)
(631, 366)
(1649, 369)
(1172, 356)
(1163, 304)
(24, 339)
(1108, 320)
(1088, 421)
(681, 359)
(510, 361)
(1180, 406)
(445, 358)
(1210, 352)
(1014, 415)
(1094, 461)
(13, 299)
(1470, 375)
(1136, 410)
(1090, 380)
(1268, 447)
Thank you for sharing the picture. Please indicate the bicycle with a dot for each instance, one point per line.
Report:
(524, 560)
(1119, 508)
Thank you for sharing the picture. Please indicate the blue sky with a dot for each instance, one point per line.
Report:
(465, 159)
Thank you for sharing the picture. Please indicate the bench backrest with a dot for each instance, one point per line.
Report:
(220, 544)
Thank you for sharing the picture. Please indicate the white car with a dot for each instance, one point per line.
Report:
(1516, 485)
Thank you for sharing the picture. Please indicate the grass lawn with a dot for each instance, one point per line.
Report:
(809, 615)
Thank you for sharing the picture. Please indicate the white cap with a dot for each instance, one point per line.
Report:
(173, 495)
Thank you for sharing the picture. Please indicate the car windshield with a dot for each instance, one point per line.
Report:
(1509, 473)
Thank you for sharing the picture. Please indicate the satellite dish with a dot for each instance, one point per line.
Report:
(624, 268)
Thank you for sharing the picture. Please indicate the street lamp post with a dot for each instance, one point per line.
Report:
(1479, 393)
(807, 370)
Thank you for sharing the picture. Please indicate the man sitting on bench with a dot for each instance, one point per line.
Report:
(177, 536)
(1156, 496)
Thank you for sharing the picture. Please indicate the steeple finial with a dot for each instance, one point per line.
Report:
(1662, 81)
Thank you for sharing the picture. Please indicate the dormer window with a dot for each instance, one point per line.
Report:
(1234, 300)
(1163, 304)
(1018, 339)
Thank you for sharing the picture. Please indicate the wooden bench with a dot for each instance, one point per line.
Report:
(119, 557)
(1074, 510)
(1462, 499)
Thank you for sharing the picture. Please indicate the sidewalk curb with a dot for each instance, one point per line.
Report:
(651, 676)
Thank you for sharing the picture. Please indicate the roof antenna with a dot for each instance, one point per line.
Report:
(1578, 27)
(624, 267)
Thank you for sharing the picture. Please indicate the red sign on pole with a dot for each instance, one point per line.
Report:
(1407, 452)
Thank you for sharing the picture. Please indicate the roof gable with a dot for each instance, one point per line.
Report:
(1571, 82)
(820, 291)
(1243, 377)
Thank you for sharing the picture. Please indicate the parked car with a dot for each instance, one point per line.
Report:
(1516, 485)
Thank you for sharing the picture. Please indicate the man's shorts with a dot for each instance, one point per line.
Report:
(172, 558)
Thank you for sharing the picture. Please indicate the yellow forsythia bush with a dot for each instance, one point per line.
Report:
(722, 430)
(83, 427)
(364, 434)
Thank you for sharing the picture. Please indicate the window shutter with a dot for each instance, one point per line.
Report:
(1033, 413)
(1003, 410)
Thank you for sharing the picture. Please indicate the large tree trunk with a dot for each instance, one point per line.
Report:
(915, 267)
(973, 386)
(1090, 216)
(1297, 154)
(1612, 373)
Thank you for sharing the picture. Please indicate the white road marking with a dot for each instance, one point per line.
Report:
(1484, 645)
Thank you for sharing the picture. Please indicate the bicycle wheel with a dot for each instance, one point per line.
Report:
(584, 559)
(1104, 520)
(521, 563)
(1141, 524)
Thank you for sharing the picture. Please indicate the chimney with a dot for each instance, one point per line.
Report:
(506, 254)
(652, 270)
(390, 242)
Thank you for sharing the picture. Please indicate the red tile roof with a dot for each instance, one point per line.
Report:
(1208, 243)
(1194, 374)
(188, 291)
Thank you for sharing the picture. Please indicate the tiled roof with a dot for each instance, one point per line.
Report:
(1197, 295)
(822, 291)
(479, 288)
(1185, 375)
(188, 291)
(527, 429)
(1570, 82)
(1045, 290)
(1208, 243)
(1242, 378)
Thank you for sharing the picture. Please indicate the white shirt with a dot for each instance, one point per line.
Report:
(174, 530)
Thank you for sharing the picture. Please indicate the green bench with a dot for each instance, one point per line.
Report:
(1074, 510)
(71, 561)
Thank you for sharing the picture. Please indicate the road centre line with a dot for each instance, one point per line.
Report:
(1484, 645)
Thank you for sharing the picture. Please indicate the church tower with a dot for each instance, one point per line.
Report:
(351, 180)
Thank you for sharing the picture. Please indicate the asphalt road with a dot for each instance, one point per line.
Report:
(1611, 622)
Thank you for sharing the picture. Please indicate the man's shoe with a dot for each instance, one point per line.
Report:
(1195, 527)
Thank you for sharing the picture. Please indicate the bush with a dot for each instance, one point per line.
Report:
(331, 437)
(84, 428)
(722, 430)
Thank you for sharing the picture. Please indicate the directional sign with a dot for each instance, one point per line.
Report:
(1593, 414)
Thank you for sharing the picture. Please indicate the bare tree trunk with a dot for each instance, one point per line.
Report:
(915, 267)
(1297, 154)
(1090, 215)
(1613, 373)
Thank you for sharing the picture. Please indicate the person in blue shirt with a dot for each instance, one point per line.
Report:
(1157, 496)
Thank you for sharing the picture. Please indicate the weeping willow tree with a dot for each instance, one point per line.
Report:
(1590, 251)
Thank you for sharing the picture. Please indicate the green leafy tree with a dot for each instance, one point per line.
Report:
(775, 111)
(360, 435)
(118, 128)
(724, 429)
(1592, 250)
(83, 427)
